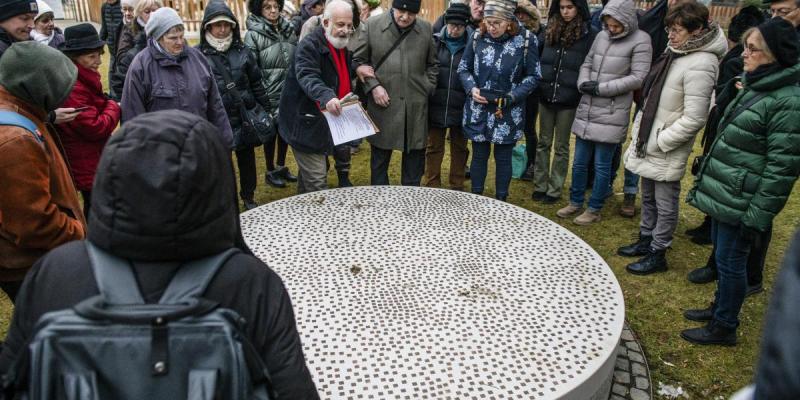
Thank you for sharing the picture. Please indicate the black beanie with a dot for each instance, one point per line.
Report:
(748, 17)
(781, 38)
(407, 5)
(457, 13)
(12, 8)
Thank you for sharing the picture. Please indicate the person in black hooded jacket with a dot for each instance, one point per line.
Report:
(163, 196)
(563, 46)
(221, 43)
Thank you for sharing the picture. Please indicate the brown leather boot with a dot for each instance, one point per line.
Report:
(628, 209)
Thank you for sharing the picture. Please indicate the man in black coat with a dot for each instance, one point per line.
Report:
(319, 77)
(165, 194)
(110, 20)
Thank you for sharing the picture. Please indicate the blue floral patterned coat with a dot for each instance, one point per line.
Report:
(498, 64)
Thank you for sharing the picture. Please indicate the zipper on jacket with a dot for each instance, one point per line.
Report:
(449, 82)
(599, 69)
(558, 72)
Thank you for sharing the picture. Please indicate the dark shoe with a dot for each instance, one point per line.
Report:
(538, 196)
(466, 172)
(344, 179)
(654, 261)
(702, 275)
(703, 230)
(528, 174)
(636, 249)
(549, 199)
(701, 240)
(249, 204)
(752, 290)
(628, 209)
(700, 315)
(275, 180)
(284, 173)
(710, 334)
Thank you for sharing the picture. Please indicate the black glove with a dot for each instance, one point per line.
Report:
(590, 87)
(748, 233)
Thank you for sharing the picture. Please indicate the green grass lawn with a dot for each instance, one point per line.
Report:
(654, 304)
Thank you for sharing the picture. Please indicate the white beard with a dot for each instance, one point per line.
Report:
(337, 43)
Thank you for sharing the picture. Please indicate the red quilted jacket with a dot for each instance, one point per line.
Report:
(85, 137)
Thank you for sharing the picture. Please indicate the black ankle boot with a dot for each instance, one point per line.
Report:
(249, 204)
(636, 249)
(344, 179)
(712, 333)
(704, 229)
(274, 179)
(704, 274)
(654, 261)
(700, 314)
(283, 172)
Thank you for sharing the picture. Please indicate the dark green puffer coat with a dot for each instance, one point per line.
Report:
(754, 162)
(274, 47)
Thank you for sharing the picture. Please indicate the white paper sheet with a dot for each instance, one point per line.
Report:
(353, 123)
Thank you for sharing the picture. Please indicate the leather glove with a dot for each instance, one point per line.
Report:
(590, 87)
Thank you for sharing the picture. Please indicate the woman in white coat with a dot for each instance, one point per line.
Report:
(677, 95)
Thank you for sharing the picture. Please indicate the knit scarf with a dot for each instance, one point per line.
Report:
(455, 44)
(41, 38)
(342, 71)
(220, 45)
(651, 92)
(761, 72)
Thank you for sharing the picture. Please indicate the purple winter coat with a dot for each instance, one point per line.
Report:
(156, 82)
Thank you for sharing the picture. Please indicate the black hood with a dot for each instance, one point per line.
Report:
(165, 191)
(214, 9)
(582, 5)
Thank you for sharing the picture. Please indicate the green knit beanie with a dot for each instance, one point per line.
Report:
(38, 74)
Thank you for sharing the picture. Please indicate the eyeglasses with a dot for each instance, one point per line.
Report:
(782, 12)
(495, 23)
(270, 7)
(676, 31)
(750, 50)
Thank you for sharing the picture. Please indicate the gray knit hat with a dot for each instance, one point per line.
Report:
(161, 21)
(503, 9)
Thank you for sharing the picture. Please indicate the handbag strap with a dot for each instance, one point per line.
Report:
(731, 115)
(394, 46)
(230, 85)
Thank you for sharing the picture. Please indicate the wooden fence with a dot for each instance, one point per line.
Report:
(192, 10)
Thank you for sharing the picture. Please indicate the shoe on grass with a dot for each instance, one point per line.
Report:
(700, 314)
(568, 211)
(702, 275)
(711, 334)
(587, 218)
(628, 209)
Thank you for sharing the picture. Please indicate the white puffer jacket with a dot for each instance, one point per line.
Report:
(682, 111)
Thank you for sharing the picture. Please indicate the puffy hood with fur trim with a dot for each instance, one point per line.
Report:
(165, 191)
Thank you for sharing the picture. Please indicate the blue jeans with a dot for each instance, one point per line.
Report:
(603, 153)
(479, 166)
(631, 184)
(730, 250)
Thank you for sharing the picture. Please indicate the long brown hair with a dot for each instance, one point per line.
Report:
(562, 32)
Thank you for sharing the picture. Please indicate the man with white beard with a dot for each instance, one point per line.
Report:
(319, 77)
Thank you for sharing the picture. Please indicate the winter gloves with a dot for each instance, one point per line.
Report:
(590, 87)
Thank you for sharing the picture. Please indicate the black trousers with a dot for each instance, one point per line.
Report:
(413, 165)
(248, 175)
(755, 260)
(11, 289)
(531, 138)
(342, 157)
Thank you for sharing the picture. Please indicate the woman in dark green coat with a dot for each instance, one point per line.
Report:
(750, 170)
(272, 39)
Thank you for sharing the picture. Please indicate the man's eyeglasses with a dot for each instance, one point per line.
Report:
(782, 12)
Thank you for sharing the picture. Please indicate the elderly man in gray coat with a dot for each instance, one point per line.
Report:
(397, 65)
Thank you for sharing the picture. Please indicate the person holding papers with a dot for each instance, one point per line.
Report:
(318, 79)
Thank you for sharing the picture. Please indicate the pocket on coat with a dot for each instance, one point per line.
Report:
(163, 99)
(652, 146)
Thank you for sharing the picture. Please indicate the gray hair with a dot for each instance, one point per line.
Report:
(333, 5)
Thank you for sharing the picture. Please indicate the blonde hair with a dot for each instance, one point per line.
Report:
(140, 6)
(758, 38)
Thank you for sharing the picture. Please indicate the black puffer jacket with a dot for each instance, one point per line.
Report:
(561, 66)
(111, 19)
(242, 67)
(165, 194)
(447, 104)
(121, 65)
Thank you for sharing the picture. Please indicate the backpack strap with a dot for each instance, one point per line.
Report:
(114, 277)
(193, 278)
(11, 118)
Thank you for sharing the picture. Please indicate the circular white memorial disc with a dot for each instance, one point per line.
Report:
(411, 293)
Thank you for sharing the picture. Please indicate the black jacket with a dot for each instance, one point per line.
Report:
(561, 66)
(777, 376)
(447, 104)
(652, 22)
(165, 193)
(121, 65)
(730, 67)
(311, 83)
(5, 41)
(242, 67)
(111, 19)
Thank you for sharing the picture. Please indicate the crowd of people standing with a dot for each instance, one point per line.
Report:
(483, 74)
